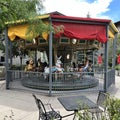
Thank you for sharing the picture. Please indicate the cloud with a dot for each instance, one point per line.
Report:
(78, 8)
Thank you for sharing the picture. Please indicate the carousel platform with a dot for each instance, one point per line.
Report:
(60, 82)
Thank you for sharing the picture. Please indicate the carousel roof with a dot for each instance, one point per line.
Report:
(73, 27)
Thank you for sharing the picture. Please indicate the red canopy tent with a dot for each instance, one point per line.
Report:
(82, 28)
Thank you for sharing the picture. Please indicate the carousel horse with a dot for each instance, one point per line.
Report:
(56, 69)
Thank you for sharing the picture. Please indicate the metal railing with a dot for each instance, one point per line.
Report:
(61, 82)
(111, 77)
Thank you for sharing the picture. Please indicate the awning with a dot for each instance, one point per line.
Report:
(85, 28)
(110, 34)
(112, 30)
(83, 31)
(21, 30)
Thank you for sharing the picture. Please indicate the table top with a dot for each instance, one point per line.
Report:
(73, 103)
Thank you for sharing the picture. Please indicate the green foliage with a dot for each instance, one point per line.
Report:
(117, 67)
(12, 10)
(112, 111)
(118, 44)
(113, 108)
(83, 116)
(2, 47)
(110, 50)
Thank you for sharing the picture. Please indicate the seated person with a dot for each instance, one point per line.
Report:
(73, 68)
(31, 66)
(46, 68)
(26, 67)
(40, 66)
(85, 67)
(90, 68)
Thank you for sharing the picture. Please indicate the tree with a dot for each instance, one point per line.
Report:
(118, 44)
(19, 12)
(13, 10)
(22, 11)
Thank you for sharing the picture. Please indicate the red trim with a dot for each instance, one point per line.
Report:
(80, 18)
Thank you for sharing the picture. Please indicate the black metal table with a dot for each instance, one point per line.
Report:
(76, 103)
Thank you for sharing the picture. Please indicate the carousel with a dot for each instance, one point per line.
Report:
(59, 57)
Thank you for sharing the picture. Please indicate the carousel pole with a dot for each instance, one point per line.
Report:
(55, 53)
(50, 59)
(6, 58)
(11, 54)
(106, 62)
(114, 54)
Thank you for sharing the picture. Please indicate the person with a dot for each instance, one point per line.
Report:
(100, 59)
(26, 67)
(46, 68)
(118, 59)
(31, 66)
(40, 66)
(82, 69)
(73, 67)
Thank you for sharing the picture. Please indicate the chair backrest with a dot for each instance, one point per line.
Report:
(102, 97)
(41, 107)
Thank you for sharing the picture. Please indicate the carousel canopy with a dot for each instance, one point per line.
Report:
(20, 30)
(85, 28)
(73, 27)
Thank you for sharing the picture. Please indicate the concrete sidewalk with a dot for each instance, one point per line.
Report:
(22, 105)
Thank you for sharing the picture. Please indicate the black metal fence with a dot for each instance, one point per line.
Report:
(61, 82)
(111, 77)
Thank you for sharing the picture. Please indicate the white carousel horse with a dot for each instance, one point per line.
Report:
(57, 68)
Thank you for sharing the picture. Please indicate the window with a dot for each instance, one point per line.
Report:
(28, 42)
(42, 41)
(64, 40)
(81, 41)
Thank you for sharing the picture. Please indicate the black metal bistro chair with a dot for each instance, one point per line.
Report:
(100, 110)
(48, 115)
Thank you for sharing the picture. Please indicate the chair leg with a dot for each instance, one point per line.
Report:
(39, 116)
(75, 113)
(74, 117)
(92, 116)
(97, 115)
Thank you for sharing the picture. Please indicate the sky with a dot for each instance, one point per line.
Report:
(104, 9)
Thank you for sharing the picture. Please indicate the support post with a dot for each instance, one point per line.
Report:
(11, 54)
(114, 55)
(106, 63)
(6, 58)
(50, 59)
(114, 51)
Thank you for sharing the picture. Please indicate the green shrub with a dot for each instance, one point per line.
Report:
(117, 67)
(113, 108)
